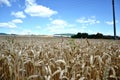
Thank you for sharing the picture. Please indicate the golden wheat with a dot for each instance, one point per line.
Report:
(36, 58)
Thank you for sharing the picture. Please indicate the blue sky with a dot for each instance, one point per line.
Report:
(58, 16)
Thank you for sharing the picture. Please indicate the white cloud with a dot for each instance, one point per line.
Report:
(90, 21)
(8, 25)
(109, 22)
(6, 2)
(17, 21)
(62, 26)
(59, 22)
(30, 2)
(18, 14)
(33, 9)
(59, 26)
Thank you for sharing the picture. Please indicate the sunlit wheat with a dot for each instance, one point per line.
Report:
(40, 58)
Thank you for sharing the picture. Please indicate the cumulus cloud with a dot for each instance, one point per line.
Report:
(8, 25)
(30, 2)
(109, 22)
(59, 26)
(90, 21)
(6, 2)
(17, 21)
(18, 14)
(59, 23)
(33, 9)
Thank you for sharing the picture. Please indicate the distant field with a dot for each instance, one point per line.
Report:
(52, 58)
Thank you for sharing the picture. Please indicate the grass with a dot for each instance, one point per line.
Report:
(36, 58)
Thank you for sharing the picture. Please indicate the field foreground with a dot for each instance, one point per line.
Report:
(36, 58)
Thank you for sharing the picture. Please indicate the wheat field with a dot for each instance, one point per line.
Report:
(48, 58)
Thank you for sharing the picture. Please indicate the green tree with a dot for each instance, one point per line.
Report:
(84, 35)
(99, 35)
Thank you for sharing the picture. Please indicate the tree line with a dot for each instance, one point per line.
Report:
(93, 36)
